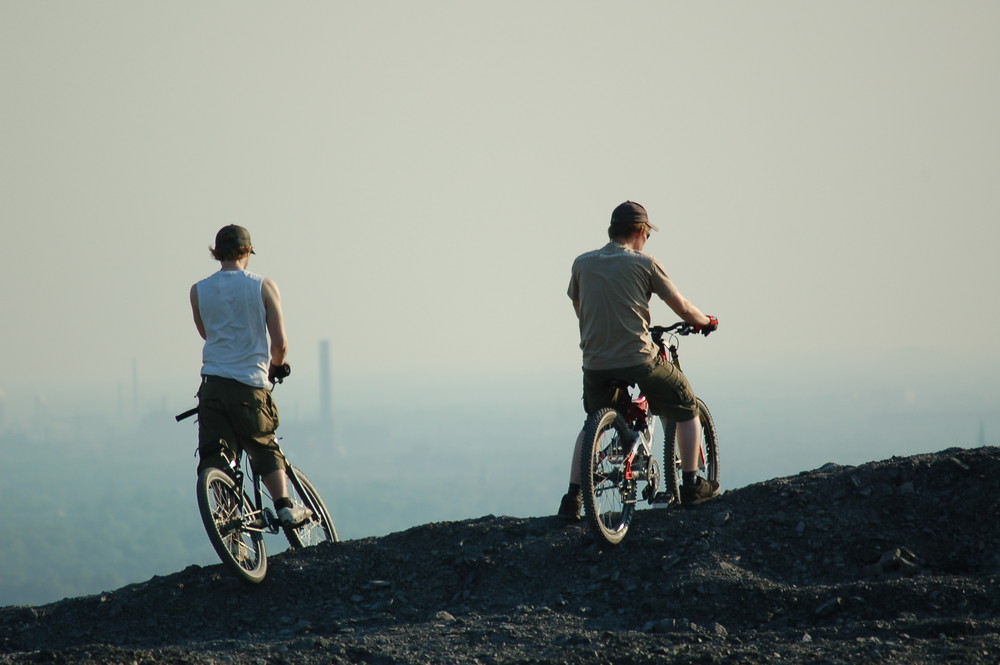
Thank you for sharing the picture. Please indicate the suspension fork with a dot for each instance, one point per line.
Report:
(674, 357)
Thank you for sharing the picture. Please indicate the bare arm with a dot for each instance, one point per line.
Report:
(275, 320)
(198, 323)
(685, 309)
(682, 307)
(664, 287)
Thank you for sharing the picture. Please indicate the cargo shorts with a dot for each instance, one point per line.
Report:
(664, 385)
(233, 416)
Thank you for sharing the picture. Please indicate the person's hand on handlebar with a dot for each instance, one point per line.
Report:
(713, 324)
(277, 373)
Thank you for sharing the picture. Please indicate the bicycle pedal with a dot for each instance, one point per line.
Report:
(267, 520)
(660, 498)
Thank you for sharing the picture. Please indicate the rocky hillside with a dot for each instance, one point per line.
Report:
(895, 561)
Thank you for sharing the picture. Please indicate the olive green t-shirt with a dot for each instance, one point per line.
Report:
(612, 286)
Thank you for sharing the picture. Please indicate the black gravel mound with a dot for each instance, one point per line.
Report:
(894, 561)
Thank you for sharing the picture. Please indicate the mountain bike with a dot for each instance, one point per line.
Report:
(618, 452)
(236, 518)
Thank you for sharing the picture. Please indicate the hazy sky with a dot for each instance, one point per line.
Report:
(418, 177)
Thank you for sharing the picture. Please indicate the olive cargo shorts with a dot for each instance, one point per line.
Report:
(665, 386)
(234, 415)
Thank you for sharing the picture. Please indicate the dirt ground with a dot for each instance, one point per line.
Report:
(895, 561)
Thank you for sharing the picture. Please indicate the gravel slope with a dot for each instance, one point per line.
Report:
(894, 561)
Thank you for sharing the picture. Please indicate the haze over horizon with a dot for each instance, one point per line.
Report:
(417, 179)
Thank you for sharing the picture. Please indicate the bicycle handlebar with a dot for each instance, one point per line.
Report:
(187, 414)
(684, 328)
(680, 328)
(278, 373)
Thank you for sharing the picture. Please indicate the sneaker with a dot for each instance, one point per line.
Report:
(294, 516)
(569, 507)
(703, 490)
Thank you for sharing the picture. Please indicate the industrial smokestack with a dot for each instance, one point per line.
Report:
(325, 397)
(135, 387)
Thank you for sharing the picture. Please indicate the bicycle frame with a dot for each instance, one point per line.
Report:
(617, 451)
(262, 519)
(236, 519)
(635, 409)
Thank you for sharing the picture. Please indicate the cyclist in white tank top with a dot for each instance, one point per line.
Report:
(238, 314)
(231, 306)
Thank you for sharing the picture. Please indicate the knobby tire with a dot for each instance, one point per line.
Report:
(608, 498)
(671, 453)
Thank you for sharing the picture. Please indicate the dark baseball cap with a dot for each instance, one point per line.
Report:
(630, 212)
(233, 237)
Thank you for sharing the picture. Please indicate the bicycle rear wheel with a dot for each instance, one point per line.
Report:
(233, 525)
(318, 528)
(709, 467)
(608, 496)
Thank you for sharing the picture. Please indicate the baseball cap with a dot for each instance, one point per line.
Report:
(631, 212)
(233, 237)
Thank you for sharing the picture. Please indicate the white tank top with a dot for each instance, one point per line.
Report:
(232, 310)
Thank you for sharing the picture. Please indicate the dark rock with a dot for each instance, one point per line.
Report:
(891, 561)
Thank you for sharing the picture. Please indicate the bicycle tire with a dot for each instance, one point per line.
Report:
(608, 498)
(319, 528)
(227, 515)
(672, 476)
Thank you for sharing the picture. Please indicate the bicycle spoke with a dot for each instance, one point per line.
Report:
(226, 513)
(319, 527)
(608, 493)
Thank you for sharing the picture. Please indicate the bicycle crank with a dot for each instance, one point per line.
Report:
(652, 480)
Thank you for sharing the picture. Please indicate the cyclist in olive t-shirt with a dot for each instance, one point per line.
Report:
(610, 289)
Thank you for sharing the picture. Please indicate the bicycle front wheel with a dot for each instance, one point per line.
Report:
(233, 525)
(608, 496)
(318, 528)
(708, 462)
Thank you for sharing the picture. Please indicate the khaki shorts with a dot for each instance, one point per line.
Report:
(233, 415)
(665, 386)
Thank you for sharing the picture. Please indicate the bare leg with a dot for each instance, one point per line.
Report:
(574, 471)
(291, 515)
(689, 442)
(276, 484)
